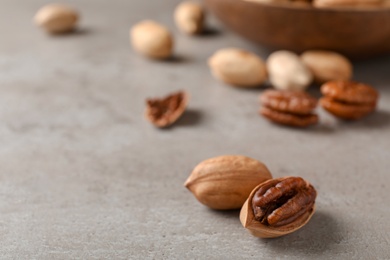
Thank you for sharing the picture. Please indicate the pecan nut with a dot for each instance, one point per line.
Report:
(350, 92)
(278, 207)
(163, 112)
(290, 108)
(348, 99)
(289, 119)
(225, 182)
(346, 111)
(280, 202)
(295, 102)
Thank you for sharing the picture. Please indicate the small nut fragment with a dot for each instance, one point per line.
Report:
(189, 17)
(292, 108)
(152, 39)
(327, 65)
(278, 207)
(56, 18)
(238, 67)
(287, 71)
(348, 99)
(225, 182)
(165, 111)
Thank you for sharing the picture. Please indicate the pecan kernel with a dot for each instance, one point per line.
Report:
(348, 99)
(280, 202)
(292, 108)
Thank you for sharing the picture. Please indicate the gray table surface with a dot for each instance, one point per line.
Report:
(84, 176)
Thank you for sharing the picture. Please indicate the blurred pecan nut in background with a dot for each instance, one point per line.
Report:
(348, 99)
(292, 108)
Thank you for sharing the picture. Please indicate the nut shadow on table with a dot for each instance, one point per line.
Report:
(84, 31)
(177, 58)
(210, 31)
(191, 117)
(378, 119)
(317, 237)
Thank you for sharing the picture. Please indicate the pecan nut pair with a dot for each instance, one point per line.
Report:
(348, 99)
(292, 108)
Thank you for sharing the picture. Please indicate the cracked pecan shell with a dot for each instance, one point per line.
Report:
(278, 207)
(163, 112)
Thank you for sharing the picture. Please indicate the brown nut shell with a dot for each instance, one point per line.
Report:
(189, 17)
(152, 39)
(225, 182)
(163, 112)
(238, 67)
(258, 229)
(327, 65)
(57, 18)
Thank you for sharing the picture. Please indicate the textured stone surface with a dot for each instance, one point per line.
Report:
(84, 176)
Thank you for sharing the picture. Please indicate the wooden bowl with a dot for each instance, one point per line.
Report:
(357, 33)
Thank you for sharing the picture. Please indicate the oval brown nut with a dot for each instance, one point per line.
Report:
(350, 92)
(163, 112)
(238, 67)
(189, 17)
(295, 102)
(289, 119)
(345, 110)
(327, 65)
(278, 207)
(287, 71)
(152, 39)
(56, 18)
(225, 182)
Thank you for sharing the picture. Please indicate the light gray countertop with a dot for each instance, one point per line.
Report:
(84, 176)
